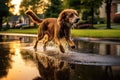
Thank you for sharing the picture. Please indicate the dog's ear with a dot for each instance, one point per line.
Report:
(62, 17)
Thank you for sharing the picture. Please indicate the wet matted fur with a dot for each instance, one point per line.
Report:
(55, 28)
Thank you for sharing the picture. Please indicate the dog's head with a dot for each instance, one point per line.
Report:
(68, 16)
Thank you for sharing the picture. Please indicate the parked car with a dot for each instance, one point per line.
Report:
(21, 25)
(4, 25)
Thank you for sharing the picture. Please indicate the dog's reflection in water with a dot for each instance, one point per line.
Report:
(52, 69)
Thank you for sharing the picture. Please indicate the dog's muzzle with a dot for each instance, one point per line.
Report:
(76, 20)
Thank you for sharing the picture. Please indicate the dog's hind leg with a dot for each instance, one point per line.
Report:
(40, 36)
(45, 41)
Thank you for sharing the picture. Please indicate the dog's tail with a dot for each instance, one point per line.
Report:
(33, 16)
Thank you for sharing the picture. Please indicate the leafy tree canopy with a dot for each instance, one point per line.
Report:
(82, 4)
(54, 8)
(34, 5)
(4, 10)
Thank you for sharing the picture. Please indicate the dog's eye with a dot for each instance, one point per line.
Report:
(71, 14)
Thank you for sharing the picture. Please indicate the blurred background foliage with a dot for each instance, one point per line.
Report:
(88, 9)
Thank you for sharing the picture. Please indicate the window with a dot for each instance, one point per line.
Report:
(118, 8)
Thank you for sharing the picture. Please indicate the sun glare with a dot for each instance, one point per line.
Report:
(17, 5)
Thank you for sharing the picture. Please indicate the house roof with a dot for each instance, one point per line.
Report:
(14, 18)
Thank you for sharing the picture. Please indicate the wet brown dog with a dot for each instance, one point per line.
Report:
(55, 28)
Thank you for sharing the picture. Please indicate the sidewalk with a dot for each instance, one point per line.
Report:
(112, 26)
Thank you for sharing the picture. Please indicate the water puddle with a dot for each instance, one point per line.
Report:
(19, 61)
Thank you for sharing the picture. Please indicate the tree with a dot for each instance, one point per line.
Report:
(54, 8)
(81, 5)
(4, 10)
(74, 4)
(50, 9)
(66, 3)
(108, 11)
(34, 5)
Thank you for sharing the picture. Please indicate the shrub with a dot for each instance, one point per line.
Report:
(98, 20)
(83, 26)
(102, 20)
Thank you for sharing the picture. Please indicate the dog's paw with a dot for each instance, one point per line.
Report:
(62, 49)
(73, 47)
(44, 48)
(35, 49)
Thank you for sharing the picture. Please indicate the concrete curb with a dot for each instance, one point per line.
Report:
(19, 34)
(98, 39)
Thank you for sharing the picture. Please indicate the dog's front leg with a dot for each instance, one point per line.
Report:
(67, 37)
(57, 39)
(71, 43)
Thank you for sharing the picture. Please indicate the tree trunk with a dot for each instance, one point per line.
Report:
(1, 22)
(92, 14)
(92, 20)
(108, 11)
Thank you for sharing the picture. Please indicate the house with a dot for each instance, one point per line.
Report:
(115, 10)
(102, 11)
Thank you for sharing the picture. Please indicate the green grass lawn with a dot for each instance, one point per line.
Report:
(25, 31)
(102, 33)
(96, 33)
(99, 25)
